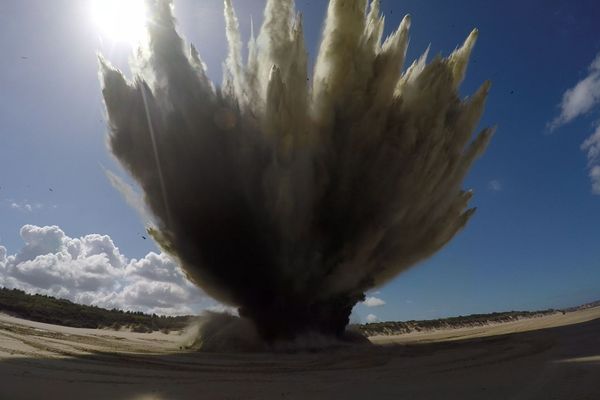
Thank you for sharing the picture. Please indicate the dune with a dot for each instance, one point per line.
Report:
(550, 357)
(521, 325)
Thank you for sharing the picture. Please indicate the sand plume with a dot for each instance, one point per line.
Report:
(289, 197)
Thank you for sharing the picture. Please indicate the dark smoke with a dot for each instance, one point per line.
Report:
(290, 200)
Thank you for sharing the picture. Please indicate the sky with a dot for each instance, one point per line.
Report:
(533, 243)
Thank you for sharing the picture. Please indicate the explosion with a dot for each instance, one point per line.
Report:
(289, 195)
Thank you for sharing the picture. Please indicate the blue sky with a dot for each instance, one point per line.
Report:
(533, 242)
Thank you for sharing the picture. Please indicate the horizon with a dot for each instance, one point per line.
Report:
(123, 311)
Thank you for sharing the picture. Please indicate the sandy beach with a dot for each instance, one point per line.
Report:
(551, 357)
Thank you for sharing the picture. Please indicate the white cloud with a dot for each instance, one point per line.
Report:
(92, 270)
(2, 264)
(592, 146)
(581, 98)
(25, 206)
(373, 301)
(595, 177)
(156, 267)
(371, 318)
(222, 308)
(495, 185)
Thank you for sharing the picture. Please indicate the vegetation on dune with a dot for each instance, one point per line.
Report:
(51, 310)
(399, 327)
(64, 312)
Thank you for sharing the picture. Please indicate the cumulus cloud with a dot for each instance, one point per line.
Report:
(92, 270)
(371, 318)
(581, 98)
(495, 185)
(373, 301)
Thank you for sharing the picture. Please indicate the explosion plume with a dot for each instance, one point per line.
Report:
(289, 196)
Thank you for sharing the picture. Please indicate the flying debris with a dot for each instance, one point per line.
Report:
(287, 199)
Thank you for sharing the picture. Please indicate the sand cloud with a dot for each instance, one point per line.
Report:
(287, 194)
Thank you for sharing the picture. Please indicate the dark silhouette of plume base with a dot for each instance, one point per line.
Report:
(289, 197)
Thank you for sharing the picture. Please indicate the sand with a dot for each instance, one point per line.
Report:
(551, 357)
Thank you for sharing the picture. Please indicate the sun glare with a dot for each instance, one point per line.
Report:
(120, 20)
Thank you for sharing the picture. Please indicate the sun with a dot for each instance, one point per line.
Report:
(120, 20)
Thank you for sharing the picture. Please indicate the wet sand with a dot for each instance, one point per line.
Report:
(551, 357)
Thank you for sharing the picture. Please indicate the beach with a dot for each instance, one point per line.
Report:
(555, 356)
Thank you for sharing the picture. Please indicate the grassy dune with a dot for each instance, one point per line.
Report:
(64, 312)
